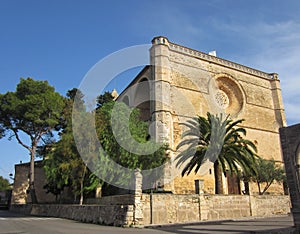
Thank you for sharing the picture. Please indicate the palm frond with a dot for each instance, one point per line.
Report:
(216, 138)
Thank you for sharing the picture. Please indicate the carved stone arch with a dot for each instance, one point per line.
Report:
(229, 94)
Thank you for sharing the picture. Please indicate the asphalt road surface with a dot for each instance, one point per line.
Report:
(11, 223)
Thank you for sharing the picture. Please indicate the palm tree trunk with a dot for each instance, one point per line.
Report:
(218, 179)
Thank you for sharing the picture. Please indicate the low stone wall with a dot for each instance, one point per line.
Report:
(267, 205)
(224, 207)
(168, 208)
(116, 215)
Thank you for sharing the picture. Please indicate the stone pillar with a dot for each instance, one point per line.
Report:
(278, 103)
(290, 143)
(138, 209)
(161, 88)
(161, 94)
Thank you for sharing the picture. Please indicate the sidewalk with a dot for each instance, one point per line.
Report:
(280, 224)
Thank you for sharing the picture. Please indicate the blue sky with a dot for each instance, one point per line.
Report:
(60, 41)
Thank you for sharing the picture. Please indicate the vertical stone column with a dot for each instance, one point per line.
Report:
(161, 88)
(161, 94)
(278, 103)
(138, 209)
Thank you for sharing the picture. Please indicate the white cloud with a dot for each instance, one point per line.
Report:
(271, 45)
(274, 48)
(282, 55)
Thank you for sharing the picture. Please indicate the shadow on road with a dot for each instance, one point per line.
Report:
(8, 214)
(265, 225)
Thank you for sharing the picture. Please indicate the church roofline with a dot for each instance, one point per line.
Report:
(138, 76)
(161, 40)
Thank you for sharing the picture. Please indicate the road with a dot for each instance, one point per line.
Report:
(11, 223)
(276, 224)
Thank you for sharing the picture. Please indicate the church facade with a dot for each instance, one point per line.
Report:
(181, 83)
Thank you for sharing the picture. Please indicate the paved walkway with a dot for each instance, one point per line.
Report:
(277, 224)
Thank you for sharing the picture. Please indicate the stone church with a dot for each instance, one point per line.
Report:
(181, 83)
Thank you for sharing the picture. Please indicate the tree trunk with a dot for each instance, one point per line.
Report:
(31, 177)
(259, 190)
(267, 187)
(247, 189)
(81, 186)
(218, 179)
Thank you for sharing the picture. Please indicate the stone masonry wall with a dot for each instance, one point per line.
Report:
(116, 215)
(266, 205)
(169, 208)
(224, 207)
(191, 83)
(21, 184)
(166, 208)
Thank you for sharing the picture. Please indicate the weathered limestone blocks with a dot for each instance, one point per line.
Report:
(190, 83)
(168, 208)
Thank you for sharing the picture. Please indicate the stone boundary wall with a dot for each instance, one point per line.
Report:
(170, 208)
(268, 205)
(166, 208)
(116, 215)
(224, 207)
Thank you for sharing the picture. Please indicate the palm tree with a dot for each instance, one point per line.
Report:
(218, 141)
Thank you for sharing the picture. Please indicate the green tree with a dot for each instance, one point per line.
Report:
(139, 133)
(63, 165)
(219, 141)
(104, 98)
(33, 110)
(65, 169)
(4, 184)
(267, 173)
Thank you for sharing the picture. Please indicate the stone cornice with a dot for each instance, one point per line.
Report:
(213, 59)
